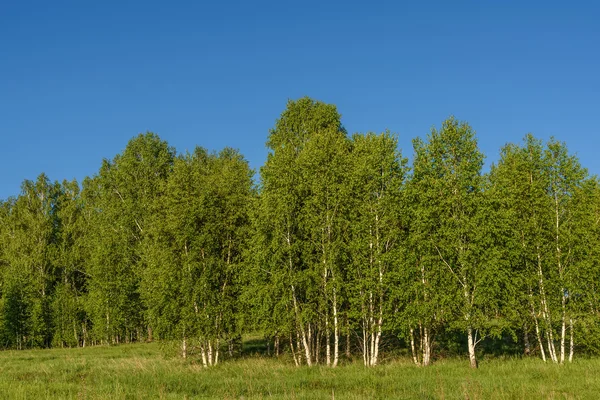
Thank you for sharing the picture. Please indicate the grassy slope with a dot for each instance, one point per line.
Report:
(140, 371)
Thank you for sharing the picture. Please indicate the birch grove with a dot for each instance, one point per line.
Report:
(337, 250)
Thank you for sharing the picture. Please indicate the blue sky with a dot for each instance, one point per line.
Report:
(78, 79)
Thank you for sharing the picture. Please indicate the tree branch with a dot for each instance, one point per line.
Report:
(449, 267)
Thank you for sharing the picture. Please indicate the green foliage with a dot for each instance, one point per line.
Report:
(341, 251)
(123, 198)
(378, 233)
(29, 251)
(191, 283)
(299, 222)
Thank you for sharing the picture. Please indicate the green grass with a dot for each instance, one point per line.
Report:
(142, 371)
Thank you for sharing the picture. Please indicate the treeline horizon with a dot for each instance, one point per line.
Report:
(343, 251)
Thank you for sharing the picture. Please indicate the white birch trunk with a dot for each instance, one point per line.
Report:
(336, 332)
(538, 334)
(327, 336)
(380, 317)
(412, 346)
(293, 351)
(305, 342)
(84, 331)
(327, 342)
(365, 341)
(571, 344)
(309, 341)
(371, 328)
(204, 361)
(551, 349)
(563, 332)
(426, 348)
(375, 356)
(551, 338)
(217, 344)
(471, 342)
(526, 339)
(539, 338)
(546, 312)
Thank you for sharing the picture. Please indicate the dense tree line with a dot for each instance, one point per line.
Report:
(341, 250)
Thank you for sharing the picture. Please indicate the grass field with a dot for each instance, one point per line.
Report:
(142, 371)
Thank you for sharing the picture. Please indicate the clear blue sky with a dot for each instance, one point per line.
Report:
(78, 79)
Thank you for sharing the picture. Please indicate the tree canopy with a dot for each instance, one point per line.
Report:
(342, 249)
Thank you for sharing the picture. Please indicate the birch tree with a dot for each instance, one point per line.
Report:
(566, 177)
(377, 233)
(68, 315)
(583, 300)
(191, 285)
(123, 197)
(29, 255)
(543, 186)
(323, 165)
(448, 184)
(289, 262)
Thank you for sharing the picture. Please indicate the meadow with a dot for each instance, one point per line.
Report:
(146, 371)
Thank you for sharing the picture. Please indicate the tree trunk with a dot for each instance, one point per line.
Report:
(293, 352)
(551, 348)
(204, 360)
(327, 342)
(545, 311)
(336, 332)
(217, 345)
(184, 348)
(472, 342)
(302, 330)
(375, 357)
(563, 332)
(310, 342)
(412, 347)
(316, 348)
(365, 341)
(84, 331)
(537, 328)
(526, 339)
(426, 347)
(572, 344)
(371, 328)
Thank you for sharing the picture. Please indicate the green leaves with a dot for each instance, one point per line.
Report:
(123, 198)
(342, 245)
(545, 195)
(193, 255)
